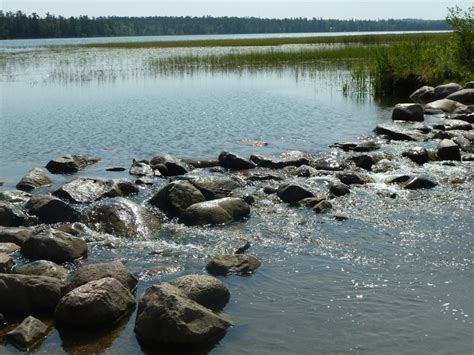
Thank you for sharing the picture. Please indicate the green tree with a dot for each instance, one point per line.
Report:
(462, 22)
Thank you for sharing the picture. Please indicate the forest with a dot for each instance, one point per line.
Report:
(17, 25)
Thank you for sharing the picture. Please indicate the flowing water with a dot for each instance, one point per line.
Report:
(395, 277)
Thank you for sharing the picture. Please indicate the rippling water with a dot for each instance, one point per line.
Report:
(396, 277)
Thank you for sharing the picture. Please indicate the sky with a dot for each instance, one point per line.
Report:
(340, 9)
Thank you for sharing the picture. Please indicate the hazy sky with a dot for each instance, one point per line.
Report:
(369, 9)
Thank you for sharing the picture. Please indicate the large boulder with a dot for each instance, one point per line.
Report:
(215, 187)
(169, 165)
(174, 198)
(418, 155)
(12, 215)
(464, 96)
(42, 268)
(423, 95)
(6, 263)
(420, 182)
(51, 210)
(17, 235)
(239, 264)
(203, 289)
(232, 161)
(218, 211)
(442, 91)
(25, 294)
(91, 272)
(30, 332)
(448, 150)
(408, 112)
(94, 305)
(35, 178)
(55, 246)
(166, 316)
(69, 164)
(122, 217)
(445, 106)
(292, 193)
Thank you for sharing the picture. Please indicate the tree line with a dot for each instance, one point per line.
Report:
(15, 25)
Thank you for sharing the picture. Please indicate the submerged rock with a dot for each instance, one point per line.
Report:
(69, 164)
(442, 91)
(35, 178)
(51, 210)
(94, 305)
(448, 150)
(203, 289)
(55, 246)
(232, 161)
(423, 95)
(464, 96)
(239, 264)
(420, 182)
(28, 333)
(42, 268)
(25, 294)
(218, 211)
(166, 316)
(169, 165)
(418, 155)
(408, 112)
(291, 193)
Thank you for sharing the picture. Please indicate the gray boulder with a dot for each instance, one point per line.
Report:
(397, 133)
(94, 305)
(239, 264)
(176, 197)
(17, 235)
(442, 91)
(142, 168)
(420, 182)
(122, 217)
(418, 155)
(25, 294)
(363, 161)
(448, 150)
(30, 332)
(169, 165)
(35, 178)
(166, 316)
(55, 246)
(445, 106)
(408, 112)
(12, 215)
(51, 210)
(291, 193)
(218, 211)
(456, 125)
(42, 268)
(329, 164)
(203, 289)
(234, 162)
(469, 85)
(263, 162)
(115, 269)
(423, 95)
(322, 207)
(364, 146)
(216, 187)
(339, 189)
(464, 96)
(6, 263)
(14, 196)
(464, 143)
(70, 164)
(351, 179)
(8, 248)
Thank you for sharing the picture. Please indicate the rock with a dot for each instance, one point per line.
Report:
(448, 150)
(263, 177)
(13, 216)
(51, 210)
(269, 190)
(16, 235)
(464, 96)
(468, 157)
(203, 163)
(450, 125)
(329, 164)
(116, 169)
(214, 188)
(322, 207)
(249, 199)
(408, 112)
(145, 180)
(364, 146)
(350, 179)
(305, 171)
(28, 333)
(8, 248)
(55, 246)
(122, 217)
(444, 105)
(423, 95)
(243, 248)
(442, 91)
(94, 305)
(172, 166)
(203, 289)
(263, 162)
(310, 201)
(420, 182)
(166, 316)
(291, 193)
(464, 143)
(74, 229)
(142, 168)
(25, 294)
(234, 162)
(42, 268)
(33, 179)
(69, 164)
(339, 189)
(6, 263)
(363, 161)
(176, 197)
(418, 155)
(463, 117)
(219, 211)
(91, 272)
(397, 133)
(14, 196)
(399, 179)
(232, 264)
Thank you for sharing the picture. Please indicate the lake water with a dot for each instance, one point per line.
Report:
(396, 277)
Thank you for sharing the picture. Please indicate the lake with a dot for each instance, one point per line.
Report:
(395, 277)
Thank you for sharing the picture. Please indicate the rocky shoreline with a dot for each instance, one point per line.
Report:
(47, 229)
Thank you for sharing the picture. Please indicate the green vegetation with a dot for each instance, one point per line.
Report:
(462, 21)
